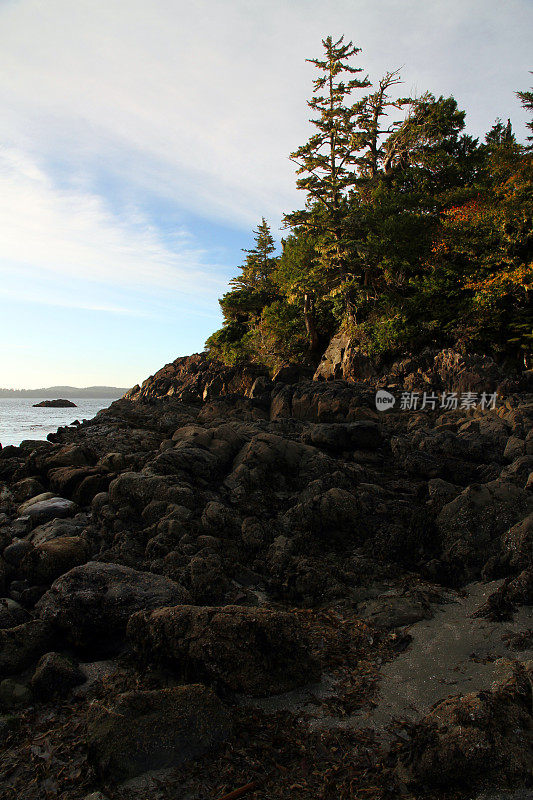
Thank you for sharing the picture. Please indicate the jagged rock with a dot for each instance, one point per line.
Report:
(340, 437)
(472, 524)
(55, 675)
(513, 592)
(514, 448)
(517, 543)
(92, 603)
(342, 360)
(519, 471)
(253, 650)
(150, 730)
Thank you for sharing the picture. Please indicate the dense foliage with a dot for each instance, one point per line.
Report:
(413, 233)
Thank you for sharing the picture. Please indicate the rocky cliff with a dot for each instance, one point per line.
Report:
(268, 585)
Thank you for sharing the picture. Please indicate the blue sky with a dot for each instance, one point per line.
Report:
(142, 140)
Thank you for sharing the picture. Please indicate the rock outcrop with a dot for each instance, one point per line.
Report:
(217, 571)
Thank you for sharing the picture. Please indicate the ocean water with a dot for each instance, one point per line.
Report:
(19, 420)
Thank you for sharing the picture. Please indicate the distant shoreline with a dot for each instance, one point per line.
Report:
(88, 392)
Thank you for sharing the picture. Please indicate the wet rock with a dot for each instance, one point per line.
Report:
(11, 613)
(339, 437)
(514, 448)
(91, 604)
(47, 509)
(394, 611)
(26, 488)
(47, 561)
(517, 544)
(149, 730)
(208, 580)
(38, 498)
(16, 551)
(55, 675)
(467, 741)
(22, 645)
(13, 695)
(253, 650)
(57, 528)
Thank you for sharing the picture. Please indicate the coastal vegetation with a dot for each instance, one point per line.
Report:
(413, 232)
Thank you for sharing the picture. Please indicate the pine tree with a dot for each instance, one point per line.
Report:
(326, 162)
(526, 98)
(256, 272)
(373, 109)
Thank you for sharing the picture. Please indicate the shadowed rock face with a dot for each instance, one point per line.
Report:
(273, 536)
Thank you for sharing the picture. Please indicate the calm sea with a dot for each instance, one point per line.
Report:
(19, 420)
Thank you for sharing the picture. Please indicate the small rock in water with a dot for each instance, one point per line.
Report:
(55, 404)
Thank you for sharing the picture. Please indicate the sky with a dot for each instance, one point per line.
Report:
(141, 142)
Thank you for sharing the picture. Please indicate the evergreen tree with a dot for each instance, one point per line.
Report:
(372, 110)
(326, 162)
(256, 272)
(526, 98)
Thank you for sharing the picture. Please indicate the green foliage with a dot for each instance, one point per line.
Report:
(413, 233)
(279, 335)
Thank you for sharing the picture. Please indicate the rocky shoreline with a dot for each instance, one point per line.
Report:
(226, 581)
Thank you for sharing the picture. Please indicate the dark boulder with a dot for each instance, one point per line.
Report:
(55, 675)
(150, 730)
(92, 603)
(471, 740)
(22, 645)
(258, 651)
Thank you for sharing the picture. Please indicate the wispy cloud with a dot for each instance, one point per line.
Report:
(202, 102)
(62, 232)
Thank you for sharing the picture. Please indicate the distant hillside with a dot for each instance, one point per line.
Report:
(66, 391)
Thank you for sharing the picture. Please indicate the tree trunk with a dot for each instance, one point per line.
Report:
(310, 324)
